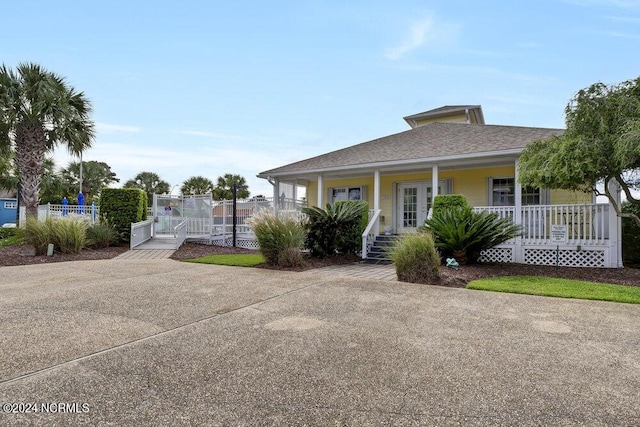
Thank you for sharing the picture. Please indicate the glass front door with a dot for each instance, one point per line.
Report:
(413, 203)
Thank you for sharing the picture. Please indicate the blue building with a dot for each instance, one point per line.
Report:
(8, 211)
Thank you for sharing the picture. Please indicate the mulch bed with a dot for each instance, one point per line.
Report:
(23, 255)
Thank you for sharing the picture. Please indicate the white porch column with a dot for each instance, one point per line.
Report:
(376, 190)
(434, 183)
(276, 196)
(320, 191)
(518, 255)
(615, 228)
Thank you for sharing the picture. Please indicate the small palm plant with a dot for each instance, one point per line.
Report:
(462, 233)
(337, 228)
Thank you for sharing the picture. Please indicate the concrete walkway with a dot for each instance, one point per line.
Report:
(362, 271)
(146, 254)
(159, 342)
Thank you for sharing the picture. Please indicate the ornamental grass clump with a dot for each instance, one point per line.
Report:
(68, 235)
(280, 238)
(102, 234)
(416, 259)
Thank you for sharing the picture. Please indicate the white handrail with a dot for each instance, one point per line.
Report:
(141, 232)
(180, 233)
(369, 234)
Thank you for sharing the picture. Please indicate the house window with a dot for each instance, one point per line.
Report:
(338, 194)
(502, 193)
(531, 196)
(10, 205)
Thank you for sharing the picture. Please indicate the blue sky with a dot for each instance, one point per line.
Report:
(210, 87)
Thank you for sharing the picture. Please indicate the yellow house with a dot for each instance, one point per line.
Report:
(451, 150)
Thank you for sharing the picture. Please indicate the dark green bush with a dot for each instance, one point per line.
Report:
(447, 201)
(462, 233)
(630, 236)
(336, 229)
(123, 206)
(416, 259)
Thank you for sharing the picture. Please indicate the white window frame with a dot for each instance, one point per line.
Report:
(347, 190)
(544, 193)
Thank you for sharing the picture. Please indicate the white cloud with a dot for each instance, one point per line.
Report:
(425, 32)
(111, 128)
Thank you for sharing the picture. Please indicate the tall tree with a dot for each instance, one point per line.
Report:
(150, 182)
(52, 188)
(224, 187)
(95, 176)
(38, 111)
(601, 145)
(196, 185)
(8, 172)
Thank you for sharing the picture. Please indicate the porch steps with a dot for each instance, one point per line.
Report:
(378, 253)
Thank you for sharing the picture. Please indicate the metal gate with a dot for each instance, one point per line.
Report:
(170, 210)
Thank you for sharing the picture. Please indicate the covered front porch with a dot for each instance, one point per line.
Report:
(400, 199)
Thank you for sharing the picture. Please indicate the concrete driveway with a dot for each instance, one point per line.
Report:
(159, 342)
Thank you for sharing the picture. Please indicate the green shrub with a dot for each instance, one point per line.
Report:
(11, 236)
(102, 234)
(279, 237)
(462, 233)
(122, 207)
(337, 228)
(416, 258)
(448, 201)
(68, 235)
(630, 236)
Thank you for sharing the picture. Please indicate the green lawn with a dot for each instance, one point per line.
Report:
(563, 288)
(238, 260)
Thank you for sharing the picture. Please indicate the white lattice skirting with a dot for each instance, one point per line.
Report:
(536, 256)
(497, 255)
(241, 242)
(565, 258)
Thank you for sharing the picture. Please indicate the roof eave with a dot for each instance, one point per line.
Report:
(377, 165)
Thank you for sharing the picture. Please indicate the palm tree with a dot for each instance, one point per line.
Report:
(95, 176)
(51, 186)
(224, 187)
(150, 182)
(38, 111)
(8, 173)
(196, 185)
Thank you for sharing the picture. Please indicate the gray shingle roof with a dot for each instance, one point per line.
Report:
(427, 142)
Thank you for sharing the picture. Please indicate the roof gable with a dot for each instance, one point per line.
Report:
(448, 113)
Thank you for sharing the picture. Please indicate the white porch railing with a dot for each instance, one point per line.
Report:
(371, 231)
(223, 212)
(586, 224)
(141, 232)
(180, 233)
